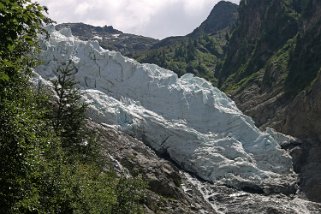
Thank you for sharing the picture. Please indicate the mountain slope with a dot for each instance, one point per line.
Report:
(223, 15)
(277, 57)
(272, 71)
(198, 52)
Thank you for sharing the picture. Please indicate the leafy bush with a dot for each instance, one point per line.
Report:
(44, 167)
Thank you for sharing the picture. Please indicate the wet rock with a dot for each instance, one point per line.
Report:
(166, 193)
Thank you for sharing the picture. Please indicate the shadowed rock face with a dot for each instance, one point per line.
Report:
(272, 72)
(273, 64)
(131, 157)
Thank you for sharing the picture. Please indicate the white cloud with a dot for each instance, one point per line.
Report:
(154, 18)
(83, 8)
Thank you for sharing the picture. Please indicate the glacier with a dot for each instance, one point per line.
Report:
(195, 124)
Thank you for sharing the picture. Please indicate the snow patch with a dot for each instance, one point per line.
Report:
(98, 38)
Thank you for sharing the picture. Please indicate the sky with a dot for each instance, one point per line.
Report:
(151, 18)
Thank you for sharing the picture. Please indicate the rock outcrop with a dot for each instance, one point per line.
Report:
(272, 71)
(110, 38)
(165, 191)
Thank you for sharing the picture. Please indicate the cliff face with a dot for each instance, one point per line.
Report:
(263, 28)
(304, 77)
(272, 71)
(277, 61)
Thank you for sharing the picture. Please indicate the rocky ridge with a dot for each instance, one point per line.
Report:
(110, 38)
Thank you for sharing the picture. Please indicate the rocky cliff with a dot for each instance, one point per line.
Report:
(274, 74)
(277, 57)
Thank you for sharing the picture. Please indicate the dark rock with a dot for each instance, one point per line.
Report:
(112, 39)
(165, 193)
(224, 14)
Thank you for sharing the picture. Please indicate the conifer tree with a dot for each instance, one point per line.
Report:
(69, 112)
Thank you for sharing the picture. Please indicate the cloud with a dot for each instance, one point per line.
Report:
(154, 18)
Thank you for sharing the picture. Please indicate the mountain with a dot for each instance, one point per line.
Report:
(110, 38)
(198, 52)
(272, 72)
(223, 15)
(186, 120)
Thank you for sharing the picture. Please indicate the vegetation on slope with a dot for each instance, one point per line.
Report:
(305, 62)
(198, 55)
(199, 52)
(265, 32)
(262, 29)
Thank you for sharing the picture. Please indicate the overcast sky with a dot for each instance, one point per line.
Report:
(153, 18)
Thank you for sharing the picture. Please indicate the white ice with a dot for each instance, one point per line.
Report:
(196, 124)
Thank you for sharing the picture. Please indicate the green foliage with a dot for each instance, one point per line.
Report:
(42, 168)
(129, 196)
(20, 22)
(69, 111)
(198, 55)
(38, 174)
(22, 139)
(305, 60)
(263, 29)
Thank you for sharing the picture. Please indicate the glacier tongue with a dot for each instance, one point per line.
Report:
(196, 124)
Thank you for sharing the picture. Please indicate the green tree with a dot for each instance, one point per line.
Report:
(69, 111)
(20, 23)
(36, 174)
(20, 126)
